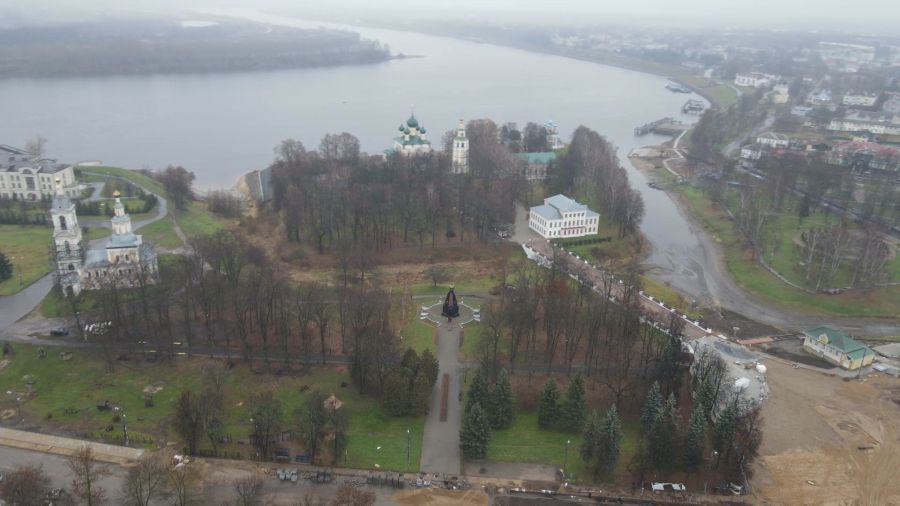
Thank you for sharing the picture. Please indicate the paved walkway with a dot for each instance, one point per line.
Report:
(67, 446)
(440, 443)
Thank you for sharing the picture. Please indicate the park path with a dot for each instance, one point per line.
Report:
(440, 444)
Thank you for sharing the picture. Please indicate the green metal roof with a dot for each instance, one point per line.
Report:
(542, 158)
(837, 339)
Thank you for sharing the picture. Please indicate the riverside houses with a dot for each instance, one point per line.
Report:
(562, 217)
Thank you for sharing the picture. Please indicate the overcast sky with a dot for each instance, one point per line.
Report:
(804, 14)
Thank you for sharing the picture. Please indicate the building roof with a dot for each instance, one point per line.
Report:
(555, 206)
(542, 158)
(774, 136)
(839, 340)
(547, 212)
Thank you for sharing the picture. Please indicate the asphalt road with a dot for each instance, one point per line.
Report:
(440, 443)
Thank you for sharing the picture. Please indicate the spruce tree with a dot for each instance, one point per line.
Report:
(475, 434)
(723, 434)
(574, 406)
(6, 268)
(664, 437)
(502, 407)
(609, 442)
(548, 409)
(395, 395)
(430, 366)
(704, 396)
(652, 408)
(695, 441)
(590, 438)
(478, 391)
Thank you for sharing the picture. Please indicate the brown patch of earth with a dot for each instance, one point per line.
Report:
(828, 440)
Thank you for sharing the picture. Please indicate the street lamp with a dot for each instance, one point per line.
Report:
(407, 449)
(566, 459)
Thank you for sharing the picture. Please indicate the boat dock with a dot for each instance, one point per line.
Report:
(693, 107)
(664, 126)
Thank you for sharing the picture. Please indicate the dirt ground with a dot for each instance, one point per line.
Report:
(829, 441)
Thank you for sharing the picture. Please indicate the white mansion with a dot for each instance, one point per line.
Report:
(125, 261)
(561, 216)
(25, 177)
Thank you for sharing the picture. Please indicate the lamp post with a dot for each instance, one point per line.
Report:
(566, 460)
(407, 449)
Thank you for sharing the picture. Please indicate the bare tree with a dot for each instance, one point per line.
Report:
(248, 491)
(182, 486)
(145, 481)
(87, 473)
(35, 146)
(27, 485)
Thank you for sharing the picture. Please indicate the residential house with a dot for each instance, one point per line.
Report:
(875, 122)
(860, 156)
(837, 347)
(773, 140)
(780, 93)
(755, 80)
(562, 217)
(860, 99)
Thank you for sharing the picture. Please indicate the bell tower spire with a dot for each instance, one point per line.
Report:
(67, 241)
(460, 159)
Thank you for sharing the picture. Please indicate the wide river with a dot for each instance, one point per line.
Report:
(222, 125)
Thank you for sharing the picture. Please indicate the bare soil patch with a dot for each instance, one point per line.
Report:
(828, 440)
(441, 497)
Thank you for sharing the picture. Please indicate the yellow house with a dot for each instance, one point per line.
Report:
(837, 347)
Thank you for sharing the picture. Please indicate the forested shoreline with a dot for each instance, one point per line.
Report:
(172, 47)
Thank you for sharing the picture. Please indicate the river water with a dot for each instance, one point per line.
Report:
(222, 125)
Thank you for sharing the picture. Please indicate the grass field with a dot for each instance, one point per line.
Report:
(525, 442)
(750, 275)
(28, 249)
(48, 386)
(135, 177)
(718, 92)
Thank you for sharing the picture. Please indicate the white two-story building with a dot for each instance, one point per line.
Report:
(562, 217)
(25, 177)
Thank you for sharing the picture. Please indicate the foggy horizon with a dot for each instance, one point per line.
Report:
(869, 17)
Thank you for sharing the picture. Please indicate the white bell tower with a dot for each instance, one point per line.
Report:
(460, 164)
(66, 241)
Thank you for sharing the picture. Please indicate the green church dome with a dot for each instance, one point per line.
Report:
(412, 122)
(401, 127)
(422, 130)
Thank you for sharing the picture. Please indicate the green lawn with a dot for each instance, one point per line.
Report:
(197, 220)
(717, 91)
(138, 178)
(669, 296)
(750, 275)
(525, 442)
(160, 233)
(80, 382)
(28, 249)
(417, 334)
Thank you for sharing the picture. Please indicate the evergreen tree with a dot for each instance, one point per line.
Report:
(548, 409)
(704, 396)
(590, 438)
(478, 391)
(695, 441)
(420, 394)
(395, 393)
(664, 437)
(502, 407)
(609, 442)
(652, 408)
(723, 434)
(475, 434)
(574, 406)
(6, 268)
(430, 366)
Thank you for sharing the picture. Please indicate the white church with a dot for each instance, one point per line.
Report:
(126, 261)
(412, 142)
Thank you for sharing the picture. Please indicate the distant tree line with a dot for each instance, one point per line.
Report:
(164, 47)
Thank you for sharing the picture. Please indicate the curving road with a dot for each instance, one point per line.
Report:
(14, 307)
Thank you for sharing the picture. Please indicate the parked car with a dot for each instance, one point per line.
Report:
(61, 331)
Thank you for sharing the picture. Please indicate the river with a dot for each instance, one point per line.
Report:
(222, 125)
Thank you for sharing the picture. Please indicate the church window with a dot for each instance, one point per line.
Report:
(68, 249)
(62, 223)
(71, 267)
